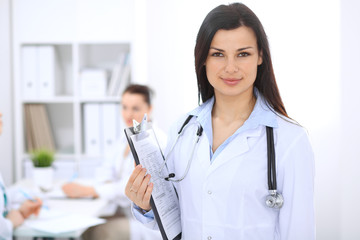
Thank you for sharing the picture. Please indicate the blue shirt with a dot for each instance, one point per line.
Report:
(261, 115)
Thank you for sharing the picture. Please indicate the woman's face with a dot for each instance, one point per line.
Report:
(231, 65)
(134, 107)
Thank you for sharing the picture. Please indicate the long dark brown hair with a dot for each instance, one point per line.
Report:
(230, 17)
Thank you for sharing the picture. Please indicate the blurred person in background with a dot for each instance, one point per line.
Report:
(12, 216)
(112, 176)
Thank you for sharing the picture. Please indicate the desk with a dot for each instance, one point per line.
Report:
(89, 207)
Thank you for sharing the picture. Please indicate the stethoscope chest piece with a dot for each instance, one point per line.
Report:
(274, 200)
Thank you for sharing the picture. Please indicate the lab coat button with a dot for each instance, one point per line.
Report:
(209, 192)
(209, 237)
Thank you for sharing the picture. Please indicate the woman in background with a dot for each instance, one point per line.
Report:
(112, 176)
(12, 217)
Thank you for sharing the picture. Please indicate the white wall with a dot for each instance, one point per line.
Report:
(6, 144)
(315, 47)
(350, 118)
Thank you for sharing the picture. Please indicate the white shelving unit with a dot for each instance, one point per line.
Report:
(83, 36)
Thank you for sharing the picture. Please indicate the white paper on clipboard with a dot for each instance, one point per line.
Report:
(164, 201)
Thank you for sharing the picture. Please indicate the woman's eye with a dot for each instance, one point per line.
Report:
(244, 54)
(217, 54)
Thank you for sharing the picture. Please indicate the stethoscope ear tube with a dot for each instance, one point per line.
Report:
(171, 176)
(274, 199)
(271, 159)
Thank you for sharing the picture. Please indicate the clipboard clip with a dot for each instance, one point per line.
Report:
(140, 127)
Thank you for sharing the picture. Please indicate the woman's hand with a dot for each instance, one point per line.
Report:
(138, 189)
(75, 190)
(15, 217)
(30, 207)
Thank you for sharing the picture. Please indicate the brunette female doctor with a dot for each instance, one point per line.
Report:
(225, 192)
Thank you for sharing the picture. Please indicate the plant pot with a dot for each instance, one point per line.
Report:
(43, 177)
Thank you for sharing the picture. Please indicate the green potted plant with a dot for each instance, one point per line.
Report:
(43, 171)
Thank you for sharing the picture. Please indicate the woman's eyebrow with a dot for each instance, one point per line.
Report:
(244, 48)
(238, 50)
(217, 49)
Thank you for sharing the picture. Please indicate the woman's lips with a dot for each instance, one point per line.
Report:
(231, 81)
(129, 122)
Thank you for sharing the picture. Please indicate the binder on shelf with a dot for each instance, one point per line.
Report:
(92, 134)
(110, 122)
(46, 71)
(38, 129)
(120, 76)
(115, 74)
(29, 72)
(28, 130)
(124, 79)
(93, 82)
(39, 70)
(47, 132)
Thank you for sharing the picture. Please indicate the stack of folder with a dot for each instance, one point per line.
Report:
(120, 76)
(38, 129)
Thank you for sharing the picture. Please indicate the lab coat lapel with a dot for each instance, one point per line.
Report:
(203, 152)
(235, 149)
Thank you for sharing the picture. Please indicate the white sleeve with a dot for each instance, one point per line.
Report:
(6, 228)
(147, 219)
(106, 171)
(297, 217)
(114, 189)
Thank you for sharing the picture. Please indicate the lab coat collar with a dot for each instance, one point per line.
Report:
(262, 113)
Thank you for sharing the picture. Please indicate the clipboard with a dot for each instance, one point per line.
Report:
(165, 205)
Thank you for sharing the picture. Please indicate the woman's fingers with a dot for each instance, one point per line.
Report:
(138, 181)
(133, 176)
(147, 196)
(143, 186)
(129, 190)
(137, 187)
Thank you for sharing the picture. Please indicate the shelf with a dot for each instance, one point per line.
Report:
(66, 99)
(62, 157)
(103, 56)
(52, 68)
(109, 99)
(50, 100)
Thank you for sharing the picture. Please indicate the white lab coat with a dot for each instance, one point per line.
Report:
(225, 199)
(112, 178)
(6, 226)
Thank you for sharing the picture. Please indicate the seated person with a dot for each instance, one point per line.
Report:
(10, 217)
(115, 171)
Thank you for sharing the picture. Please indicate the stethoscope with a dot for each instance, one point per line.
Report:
(198, 135)
(273, 200)
(5, 212)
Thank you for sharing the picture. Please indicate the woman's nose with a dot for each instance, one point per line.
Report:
(231, 66)
(127, 114)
